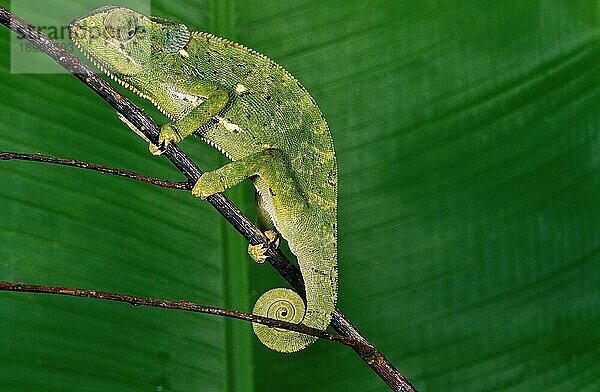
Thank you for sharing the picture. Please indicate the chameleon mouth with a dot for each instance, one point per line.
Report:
(105, 68)
(100, 64)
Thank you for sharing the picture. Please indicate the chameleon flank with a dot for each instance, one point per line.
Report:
(254, 112)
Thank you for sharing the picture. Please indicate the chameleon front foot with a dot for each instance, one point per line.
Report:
(208, 184)
(155, 150)
(168, 134)
(257, 252)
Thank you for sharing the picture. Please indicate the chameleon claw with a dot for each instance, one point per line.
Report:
(155, 150)
(168, 134)
(257, 252)
(272, 237)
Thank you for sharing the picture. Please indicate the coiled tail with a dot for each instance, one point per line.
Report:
(286, 305)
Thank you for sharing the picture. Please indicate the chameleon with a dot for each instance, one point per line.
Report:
(260, 117)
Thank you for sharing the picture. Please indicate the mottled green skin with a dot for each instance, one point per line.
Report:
(259, 116)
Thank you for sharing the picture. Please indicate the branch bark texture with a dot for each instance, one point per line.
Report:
(8, 155)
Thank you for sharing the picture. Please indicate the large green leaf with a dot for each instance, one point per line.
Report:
(468, 141)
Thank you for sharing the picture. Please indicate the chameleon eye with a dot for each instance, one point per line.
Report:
(121, 25)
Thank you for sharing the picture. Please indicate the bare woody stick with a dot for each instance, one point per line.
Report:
(186, 306)
(379, 363)
(8, 155)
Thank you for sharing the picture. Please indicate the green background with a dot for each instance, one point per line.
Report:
(468, 141)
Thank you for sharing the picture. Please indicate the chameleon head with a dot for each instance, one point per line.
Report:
(123, 42)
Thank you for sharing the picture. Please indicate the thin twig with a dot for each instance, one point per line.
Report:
(8, 155)
(186, 306)
(380, 364)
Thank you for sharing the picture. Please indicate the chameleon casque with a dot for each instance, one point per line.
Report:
(254, 112)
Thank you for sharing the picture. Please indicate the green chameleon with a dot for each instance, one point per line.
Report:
(260, 117)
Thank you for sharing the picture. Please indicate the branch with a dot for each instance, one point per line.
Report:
(380, 364)
(186, 306)
(7, 156)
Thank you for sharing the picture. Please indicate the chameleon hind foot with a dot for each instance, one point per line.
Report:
(257, 252)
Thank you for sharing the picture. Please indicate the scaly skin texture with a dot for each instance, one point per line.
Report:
(260, 117)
